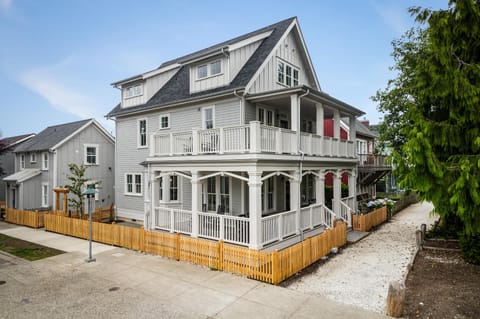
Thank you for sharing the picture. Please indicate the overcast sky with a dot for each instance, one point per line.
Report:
(58, 58)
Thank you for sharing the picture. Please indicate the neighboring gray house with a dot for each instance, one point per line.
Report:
(7, 158)
(227, 143)
(41, 164)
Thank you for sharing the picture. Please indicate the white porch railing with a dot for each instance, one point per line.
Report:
(173, 220)
(347, 208)
(310, 216)
(252, 138)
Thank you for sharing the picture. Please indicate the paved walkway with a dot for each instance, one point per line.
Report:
(127, 284)
(361, 273)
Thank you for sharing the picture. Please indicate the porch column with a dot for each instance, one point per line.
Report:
(336, 124)
(148, 199)
(353, 133)
(320, 188)
(295, 198)
(255, 209)
(337, 192)
(352, 191)
(295, 118)
(320, 119)
(196, 202)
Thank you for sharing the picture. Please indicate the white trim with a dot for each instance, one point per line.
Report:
(133, 87)
(23, 159)
(92, 121)
(138, 133)
(96, 146)
(265, 109)
(45, 196)
(285, 65)
(212, 107)
(241, 44)
(134, 185)
(208, 65)
(55, 165)
(160, 116)
(33, 154)
(309, 60)
(45, 167)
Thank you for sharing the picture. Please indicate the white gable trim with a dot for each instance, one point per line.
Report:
(258, 37)
(309, 60)
(92, 121)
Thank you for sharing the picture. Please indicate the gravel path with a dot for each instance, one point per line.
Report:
(361, 273)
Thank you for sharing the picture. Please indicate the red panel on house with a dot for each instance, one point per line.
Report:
(328, 129)
(329, 179)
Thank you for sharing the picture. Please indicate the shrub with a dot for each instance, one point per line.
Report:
(470, 245)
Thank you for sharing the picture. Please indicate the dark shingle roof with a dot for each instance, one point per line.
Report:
(177, 88)
(50, 137)
(12, 140)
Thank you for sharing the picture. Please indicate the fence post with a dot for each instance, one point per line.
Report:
(220, 255)
(177, 246)
(142, 239)
(275, 268)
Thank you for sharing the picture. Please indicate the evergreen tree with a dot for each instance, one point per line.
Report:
(77, 186)
(432, 110)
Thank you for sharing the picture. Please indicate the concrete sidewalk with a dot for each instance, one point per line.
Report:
(126, 284)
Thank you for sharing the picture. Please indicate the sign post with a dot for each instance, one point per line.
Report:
(89, 194)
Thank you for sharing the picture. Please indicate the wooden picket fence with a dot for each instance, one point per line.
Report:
(100, 214)
(271, 267)
(28, 218)
(365, 222)
(3, 205)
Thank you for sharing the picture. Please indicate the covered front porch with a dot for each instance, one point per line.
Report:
(249, 205)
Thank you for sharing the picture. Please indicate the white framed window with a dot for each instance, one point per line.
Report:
(202, 71)
(216, 196)
(268, 194)
(225, 193)
(287, 74)
(266, 116)
(160, 189)
(33, 157)
(208, 117)
(307, 126)
(133, 184)
(174, 188)
(209, 69)
(22, 161)
(211, 194)
(133, 91)
(93, 185)
(216, 67)
(142, 133)
(90, 154)
(45, 161)
(164, 121)
(307, 189)
(44, 194)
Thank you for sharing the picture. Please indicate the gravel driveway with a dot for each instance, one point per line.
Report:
(361, 273)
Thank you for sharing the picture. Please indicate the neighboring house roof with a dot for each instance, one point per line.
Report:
(54, 136)
(22, 175)
(8, 142)
(177, 88)
(361, 128)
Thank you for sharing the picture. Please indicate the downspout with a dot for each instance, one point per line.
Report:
(242, 110)
(300, 165)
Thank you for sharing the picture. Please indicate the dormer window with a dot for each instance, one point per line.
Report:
(209, 69)
(287, 74)
(132, 91)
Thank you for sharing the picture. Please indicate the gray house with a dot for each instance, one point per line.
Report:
(228, 143)
(7, 158)
(41, 164)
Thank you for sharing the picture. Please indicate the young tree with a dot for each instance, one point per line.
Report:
(77, 186)
(432, 110)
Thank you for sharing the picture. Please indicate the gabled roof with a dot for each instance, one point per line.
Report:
(54, 136)
(8, 142)
(22, 175)
(177, 88)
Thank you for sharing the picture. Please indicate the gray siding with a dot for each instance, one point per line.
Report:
(236, 197)
(239, 57)
(250, 112)
(31, 194)
(288, 50)
(73, 151)
(7, 162)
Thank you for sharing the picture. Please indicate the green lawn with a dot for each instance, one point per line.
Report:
(25, 249)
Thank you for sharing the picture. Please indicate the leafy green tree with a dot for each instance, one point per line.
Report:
(432, 118)
(78, 182)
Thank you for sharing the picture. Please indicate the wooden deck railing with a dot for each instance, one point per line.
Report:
(271, 267)
(365, 222)
(28, 218)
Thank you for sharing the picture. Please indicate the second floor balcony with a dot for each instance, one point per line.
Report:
(250, 138)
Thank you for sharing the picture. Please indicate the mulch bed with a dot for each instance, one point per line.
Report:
(442, 285)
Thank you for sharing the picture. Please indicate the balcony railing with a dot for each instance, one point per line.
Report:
(372, 160)
(252, 138)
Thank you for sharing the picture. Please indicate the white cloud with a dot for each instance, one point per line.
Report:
(393, 15)
(5, 4)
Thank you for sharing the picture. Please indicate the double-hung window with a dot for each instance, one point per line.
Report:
(45, 161)
(266, 116)
(208, 117)
(132, 91)
(142, 133)
(22, 161)
(33, 157)
(211, 194)
(133, 184)
(164, 121)
(91, 154)
(287, 74)
(44, 194)
(225, 193)
(174, 188)
(209, 69)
